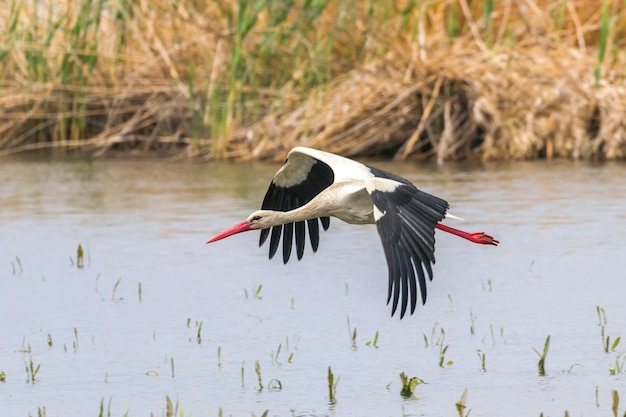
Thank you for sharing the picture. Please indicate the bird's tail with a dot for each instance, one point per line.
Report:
(452, 216)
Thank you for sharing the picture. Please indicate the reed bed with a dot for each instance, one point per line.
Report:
(249, 79)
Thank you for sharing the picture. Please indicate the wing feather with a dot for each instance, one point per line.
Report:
(407, 231)
(314, 234)
(275, 240)
(300, 239)
(299, 180)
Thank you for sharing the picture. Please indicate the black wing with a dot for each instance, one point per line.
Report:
(407, 231)
(286, 198)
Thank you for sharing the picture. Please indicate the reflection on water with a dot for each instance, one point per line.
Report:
(157, 313)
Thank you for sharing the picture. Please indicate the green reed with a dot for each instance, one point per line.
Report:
(31, 370)
(620, 364)
(541, 365)
(605, 27)
(332, 387)
(615, 403)
(84, 76)
(408, 385)
(257, 370)
(483, 358)
(461, 405)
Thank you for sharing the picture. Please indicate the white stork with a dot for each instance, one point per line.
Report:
(314, 185)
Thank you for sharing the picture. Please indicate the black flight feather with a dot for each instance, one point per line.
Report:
(407, 232)
(280, 198)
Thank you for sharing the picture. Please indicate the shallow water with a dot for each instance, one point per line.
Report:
(124, 329)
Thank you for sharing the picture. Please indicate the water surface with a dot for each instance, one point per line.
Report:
(98, 338)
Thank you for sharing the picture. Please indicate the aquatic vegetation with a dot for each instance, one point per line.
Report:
(80, 257)
(442, 356)
(96, 281)
(17, 267)
(435, 342)
(79, 262)
(113, 297)
(609, 347)
(438, 342)
(198, 324)
(601, 316)
(41, 411)
(615, 403)
(351, 333)
(542, 357)
(472, 323)
(173, 409)
(199, 333)
(461, 406)
(571, 368)
(606, 340)
(482, 356)
(25, 348)
(409, 385)
(492, 335)
(332, 387)
(256, 293)
(619, 366)
(31, 370)
(101, 413)
(75, 341)
(274, 385)
(274, 356)
(257, 370)
(374, 342)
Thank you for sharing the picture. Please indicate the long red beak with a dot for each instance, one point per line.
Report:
(244, 226)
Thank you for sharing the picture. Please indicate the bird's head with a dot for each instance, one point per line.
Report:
(260, 219)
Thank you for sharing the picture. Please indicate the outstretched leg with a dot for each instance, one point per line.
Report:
(476, 237)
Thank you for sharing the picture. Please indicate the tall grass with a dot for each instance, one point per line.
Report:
(248, 79)
(605, 27)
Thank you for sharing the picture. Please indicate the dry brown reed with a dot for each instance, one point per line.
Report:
(249, 79)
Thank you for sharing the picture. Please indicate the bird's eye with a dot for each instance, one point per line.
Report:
(256, 218)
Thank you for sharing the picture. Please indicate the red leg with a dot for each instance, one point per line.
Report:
(477, 237)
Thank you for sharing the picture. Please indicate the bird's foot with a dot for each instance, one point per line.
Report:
(483, 238)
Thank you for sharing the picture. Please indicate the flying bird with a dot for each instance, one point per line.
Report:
(313, 186)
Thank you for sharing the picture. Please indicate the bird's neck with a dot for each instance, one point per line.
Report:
(311, 210)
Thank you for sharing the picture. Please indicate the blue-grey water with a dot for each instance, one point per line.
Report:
(156, 314)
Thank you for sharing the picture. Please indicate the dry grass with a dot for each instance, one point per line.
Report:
(248, 80)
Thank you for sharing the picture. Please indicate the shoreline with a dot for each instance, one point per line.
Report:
(439, 81)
